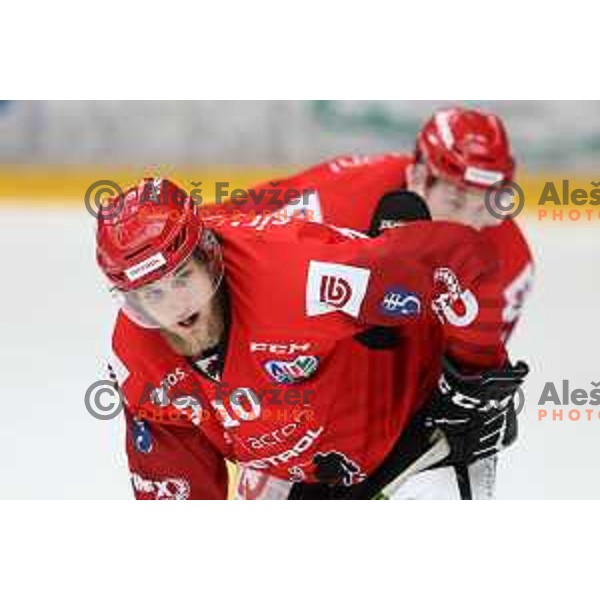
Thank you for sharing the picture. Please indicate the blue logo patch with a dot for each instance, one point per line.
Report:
(292, 371)
(141, 436)
(398, 302)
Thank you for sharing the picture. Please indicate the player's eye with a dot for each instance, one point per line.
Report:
(182, 278)
(153, 295)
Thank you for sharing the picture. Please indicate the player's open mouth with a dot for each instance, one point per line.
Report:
(190, 321)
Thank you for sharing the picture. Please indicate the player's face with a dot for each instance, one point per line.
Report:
(450, 202)
(181, 302)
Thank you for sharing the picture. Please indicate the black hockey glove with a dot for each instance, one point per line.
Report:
(476, 412)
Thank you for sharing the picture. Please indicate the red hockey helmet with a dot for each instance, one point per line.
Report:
(146, 234)
(468, 147)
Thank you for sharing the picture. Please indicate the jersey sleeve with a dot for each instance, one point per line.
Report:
(516, 278)
(421, 272)
(168, 458)
(167, 462)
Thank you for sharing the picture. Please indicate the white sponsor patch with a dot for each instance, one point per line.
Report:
(334, 287)
(482, 176)
(152, 263)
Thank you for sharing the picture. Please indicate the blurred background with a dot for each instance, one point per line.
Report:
(56, 314)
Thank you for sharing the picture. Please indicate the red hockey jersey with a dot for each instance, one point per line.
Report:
(297, 384)
(345, 192)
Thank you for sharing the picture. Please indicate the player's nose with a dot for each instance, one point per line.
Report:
(179, 305)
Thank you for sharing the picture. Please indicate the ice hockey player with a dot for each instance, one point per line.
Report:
(318, 356)
(458, 154)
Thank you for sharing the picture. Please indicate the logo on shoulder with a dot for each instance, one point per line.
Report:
(293, 371)
(335, 287)
(452, 304)
(399, 302)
